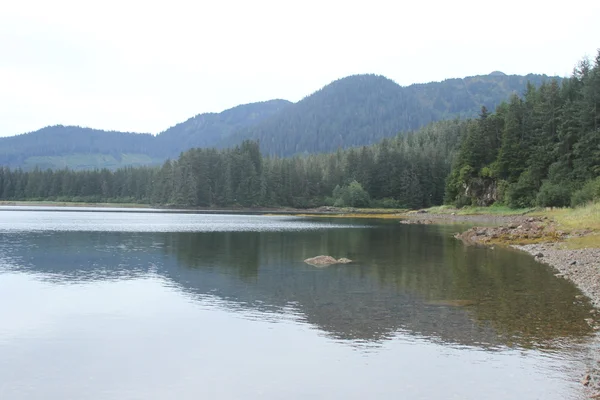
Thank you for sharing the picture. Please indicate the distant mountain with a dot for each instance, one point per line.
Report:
(356, 110)
(83, 148)
(363, 109)
(58, 146)
(212, 129)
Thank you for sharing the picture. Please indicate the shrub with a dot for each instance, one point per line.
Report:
(522, 193)
(590, 192)
(553, 195)
(387, 203)
(352, 195)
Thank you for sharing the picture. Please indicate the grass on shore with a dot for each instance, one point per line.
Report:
(583, 242)
(586, 217)
(471, 210)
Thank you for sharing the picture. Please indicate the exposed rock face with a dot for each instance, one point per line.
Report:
(483, 191)
(323, 261)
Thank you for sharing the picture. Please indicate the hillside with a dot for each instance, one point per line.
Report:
(211, 129)
(54, 146)
(83, 148)
(363, 109)
(353, 111)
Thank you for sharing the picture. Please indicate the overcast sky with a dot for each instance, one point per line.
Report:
(144, 66)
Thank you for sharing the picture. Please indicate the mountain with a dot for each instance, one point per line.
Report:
(83, 148)
(72, 146)
(356, 110)
(363, 109)
(211, 129)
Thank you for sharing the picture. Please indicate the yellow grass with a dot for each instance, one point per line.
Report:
(587, 217)
(492, 210)
(584, 242)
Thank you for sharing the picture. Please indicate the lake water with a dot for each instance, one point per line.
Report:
(179, 306)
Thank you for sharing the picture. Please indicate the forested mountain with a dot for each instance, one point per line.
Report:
(83, 148)
(212, 129)
(363, 109)
(353, 111)
(47, 143)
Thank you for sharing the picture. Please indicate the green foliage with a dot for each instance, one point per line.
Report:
(522, 194)
(363, 109)
(407, 171)
(502, 188)
(486, 172)
(538, 147)
(590, 192)
(386, 203)
(553, 195)
(352, 195)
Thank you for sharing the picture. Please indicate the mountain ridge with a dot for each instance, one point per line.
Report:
(351, 111)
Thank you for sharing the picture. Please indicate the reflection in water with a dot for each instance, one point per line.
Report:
(221, 307)
(413, 279)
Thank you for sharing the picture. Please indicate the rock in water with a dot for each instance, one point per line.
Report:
(322, 261)
(586, 380)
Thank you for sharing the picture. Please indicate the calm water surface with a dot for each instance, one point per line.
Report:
(179, 306)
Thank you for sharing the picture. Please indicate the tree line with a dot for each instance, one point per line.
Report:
(538, 149)
(541, 149)
(406, 171)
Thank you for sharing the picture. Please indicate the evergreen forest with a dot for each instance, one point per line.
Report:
(538, 148)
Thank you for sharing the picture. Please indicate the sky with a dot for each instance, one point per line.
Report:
(143, 66)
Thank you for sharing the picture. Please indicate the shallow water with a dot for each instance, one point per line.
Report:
(154, 306)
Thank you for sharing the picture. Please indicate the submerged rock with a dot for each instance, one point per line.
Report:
(322, 261)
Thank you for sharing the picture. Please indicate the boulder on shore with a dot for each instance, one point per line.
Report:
(323, 261)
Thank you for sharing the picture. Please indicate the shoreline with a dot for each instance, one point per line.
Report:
(537, 234)
(148, 208)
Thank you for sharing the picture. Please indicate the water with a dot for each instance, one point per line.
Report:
(157, 306)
